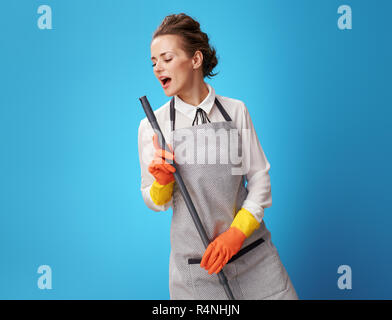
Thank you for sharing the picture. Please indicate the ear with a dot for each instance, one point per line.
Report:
(197, 59)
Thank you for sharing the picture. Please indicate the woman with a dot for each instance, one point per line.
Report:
(231, 213)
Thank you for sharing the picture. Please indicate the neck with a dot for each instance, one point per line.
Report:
(195, 94)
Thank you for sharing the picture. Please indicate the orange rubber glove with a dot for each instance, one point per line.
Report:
(220, 251)
(159, 167)
(227, 244)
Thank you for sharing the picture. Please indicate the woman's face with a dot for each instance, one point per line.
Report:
(172, 67)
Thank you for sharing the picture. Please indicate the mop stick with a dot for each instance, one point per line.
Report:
(188, 201)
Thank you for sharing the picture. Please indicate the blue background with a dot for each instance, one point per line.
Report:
(320, 100)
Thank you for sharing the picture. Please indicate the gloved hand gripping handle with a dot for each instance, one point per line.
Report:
(188, 201)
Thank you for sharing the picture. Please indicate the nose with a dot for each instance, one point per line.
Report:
(158, 66)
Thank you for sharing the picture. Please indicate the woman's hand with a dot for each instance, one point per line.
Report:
(159, 167)
(220, 251)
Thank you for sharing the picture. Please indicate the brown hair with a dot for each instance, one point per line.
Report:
(193, 39)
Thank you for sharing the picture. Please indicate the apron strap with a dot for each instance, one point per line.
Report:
(222, 110)
(173, 112)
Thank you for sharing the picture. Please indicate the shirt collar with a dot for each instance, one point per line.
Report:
(190, 110)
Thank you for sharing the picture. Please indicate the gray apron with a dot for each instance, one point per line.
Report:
(256, 272)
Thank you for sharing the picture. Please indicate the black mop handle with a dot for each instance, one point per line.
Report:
(188, 201)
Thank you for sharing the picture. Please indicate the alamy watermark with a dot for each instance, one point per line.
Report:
(45, 19)
(345, 20)
(44, 281)
(345, 280)
(205, 146)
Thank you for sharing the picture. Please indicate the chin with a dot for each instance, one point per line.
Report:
(170, 93)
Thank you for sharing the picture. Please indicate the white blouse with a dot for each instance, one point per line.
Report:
(257, 176)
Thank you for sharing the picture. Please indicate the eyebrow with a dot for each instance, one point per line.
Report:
(163, 53)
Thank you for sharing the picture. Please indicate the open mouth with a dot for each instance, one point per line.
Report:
(166, 81)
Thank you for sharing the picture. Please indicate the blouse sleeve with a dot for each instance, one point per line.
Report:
(256, 169)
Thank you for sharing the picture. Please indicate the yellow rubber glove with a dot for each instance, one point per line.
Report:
(162, 188)
(246, 222)
(227, 244)
(161, 194)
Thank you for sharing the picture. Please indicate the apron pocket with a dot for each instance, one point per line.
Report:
(207, 286)
(261, 273)
(236, 256)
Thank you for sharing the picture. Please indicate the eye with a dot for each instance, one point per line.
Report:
(167, 60)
